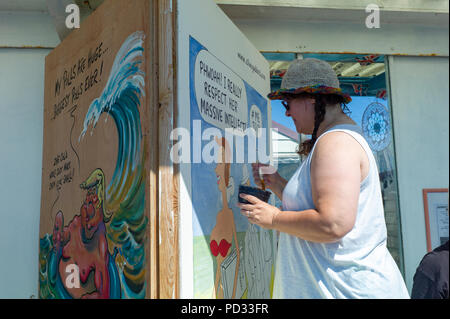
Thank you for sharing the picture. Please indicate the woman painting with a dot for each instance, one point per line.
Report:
(333, 235)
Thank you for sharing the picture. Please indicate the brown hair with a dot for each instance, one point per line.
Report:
(320, 105)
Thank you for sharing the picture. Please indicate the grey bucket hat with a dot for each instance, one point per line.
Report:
(309, 76)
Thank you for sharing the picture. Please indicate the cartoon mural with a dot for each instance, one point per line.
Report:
(106, 239)
(232, 258)
(224, 232)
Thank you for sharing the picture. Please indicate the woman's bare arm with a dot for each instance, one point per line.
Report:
(335, 179)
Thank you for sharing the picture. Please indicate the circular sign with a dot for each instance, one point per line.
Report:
(376, 126)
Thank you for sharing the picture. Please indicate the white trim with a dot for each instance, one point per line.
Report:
(438, 6)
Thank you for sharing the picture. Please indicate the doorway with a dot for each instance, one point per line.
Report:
(365, 79)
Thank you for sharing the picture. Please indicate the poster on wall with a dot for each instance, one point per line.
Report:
(436, 216)
(228, 116)
(94, 211)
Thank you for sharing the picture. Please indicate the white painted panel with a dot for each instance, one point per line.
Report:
(205, 21)
(21, 127)
(420, 104)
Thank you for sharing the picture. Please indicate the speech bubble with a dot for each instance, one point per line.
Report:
(220, 93)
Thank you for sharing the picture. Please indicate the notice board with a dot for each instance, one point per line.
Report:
(95, 206)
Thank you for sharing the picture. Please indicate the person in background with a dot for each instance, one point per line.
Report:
(333, 234)
(431, 277)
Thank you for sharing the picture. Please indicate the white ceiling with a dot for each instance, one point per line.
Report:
(329, 15)
(344, 69)
(23, 5)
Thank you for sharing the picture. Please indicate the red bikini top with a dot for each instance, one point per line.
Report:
(222, 248)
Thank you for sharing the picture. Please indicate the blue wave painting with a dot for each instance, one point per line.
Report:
(124, 216)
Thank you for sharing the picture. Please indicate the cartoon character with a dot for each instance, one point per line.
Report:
(84, 243)
(224, 232)
(110, 255)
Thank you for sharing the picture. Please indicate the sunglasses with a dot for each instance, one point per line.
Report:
(288, 98)
(285, 103)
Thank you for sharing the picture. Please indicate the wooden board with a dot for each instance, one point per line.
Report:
(97, 162)
(168, 177)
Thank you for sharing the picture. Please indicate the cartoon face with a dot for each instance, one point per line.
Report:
(89, 213)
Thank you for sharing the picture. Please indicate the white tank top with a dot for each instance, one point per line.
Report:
(357, 266)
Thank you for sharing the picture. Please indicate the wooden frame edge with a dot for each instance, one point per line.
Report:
(425, 192)
(168, 171)
(153, 173)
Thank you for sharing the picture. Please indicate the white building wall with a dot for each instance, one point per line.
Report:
(323, 37)
(421, 135)
(28, 29)
(420, 105)
(294, 26)
(22, 62)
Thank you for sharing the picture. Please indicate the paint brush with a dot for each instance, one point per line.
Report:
(263, 185)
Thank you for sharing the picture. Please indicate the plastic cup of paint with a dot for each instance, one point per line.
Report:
(254, 191)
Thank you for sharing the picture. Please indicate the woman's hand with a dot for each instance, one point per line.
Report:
(259, 212)
(272, 180)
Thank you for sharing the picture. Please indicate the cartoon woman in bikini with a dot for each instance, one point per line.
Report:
(224, 231)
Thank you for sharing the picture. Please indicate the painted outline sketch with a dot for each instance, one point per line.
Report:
(232, 258)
